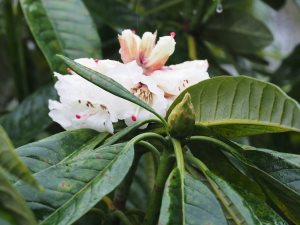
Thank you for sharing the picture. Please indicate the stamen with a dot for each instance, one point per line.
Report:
(172, 34)
(96, 60)
(77, 116)
(133, 118)
(69, 70)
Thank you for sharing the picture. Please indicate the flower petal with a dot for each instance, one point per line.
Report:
(129, 43)
(160, 54)
(147, 44)
(174, 79)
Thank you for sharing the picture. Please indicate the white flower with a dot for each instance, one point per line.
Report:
(82, 105)
(85, 105)
(175, 78)
(131, 76)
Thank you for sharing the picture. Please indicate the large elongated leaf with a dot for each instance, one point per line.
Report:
(241, 106)
(30, 118)
(279, 176)
(107, 84)
(238, 31)
(78, 182)
(10, 161)
(13, 209)
(200, 205)
(63, 27)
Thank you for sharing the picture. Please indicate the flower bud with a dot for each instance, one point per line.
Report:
(129, 43)
(182, 118)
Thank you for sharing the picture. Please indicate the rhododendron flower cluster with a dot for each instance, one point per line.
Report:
(143, 72)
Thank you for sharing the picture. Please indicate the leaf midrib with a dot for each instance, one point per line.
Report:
(245, 122)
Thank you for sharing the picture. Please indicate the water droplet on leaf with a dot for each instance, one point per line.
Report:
(219, 8)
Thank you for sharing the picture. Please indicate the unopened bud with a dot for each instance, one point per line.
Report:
(182, 118)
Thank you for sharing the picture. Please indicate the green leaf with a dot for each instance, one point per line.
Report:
(30, 118)
(107, 84)
(238, 31)
(62, 27)
(13, 209)
(76, 183)
(279, 175)
(50, 151)
(10, 161)
(199, 204)
(241, 197)
(241, 106)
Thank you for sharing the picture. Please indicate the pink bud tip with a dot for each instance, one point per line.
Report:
(133, 31)
(77, 116)
(133, 117)
(69, 70)
(173, 34)
(96, 60)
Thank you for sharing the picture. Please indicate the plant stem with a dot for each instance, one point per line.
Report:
(217, 142)
(153, 209)
(122, 217)
(123, 189)
(15, 50)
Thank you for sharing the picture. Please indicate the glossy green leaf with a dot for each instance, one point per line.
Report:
(240, 196)
(62, 27)
(50, 151)
(30, 118)
(76, 183)
(13, 209)
(10, 161)
(279, 175)
(238, 31)
(241, 106)
(198, 206)
(107, 84)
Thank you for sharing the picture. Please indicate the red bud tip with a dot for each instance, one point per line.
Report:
(133, 117)
(173, 34)
(77, 116)
(96, 60)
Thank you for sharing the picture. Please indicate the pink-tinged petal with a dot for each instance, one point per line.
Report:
(160, 54)
(147, 44)
(129, 45)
